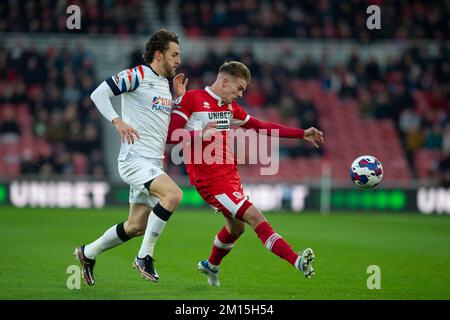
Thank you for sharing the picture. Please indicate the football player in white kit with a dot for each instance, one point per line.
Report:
(146, 110)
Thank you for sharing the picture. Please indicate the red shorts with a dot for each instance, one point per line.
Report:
(226, 196)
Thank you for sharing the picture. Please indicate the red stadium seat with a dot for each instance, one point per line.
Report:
(80, 163)
(348, 136)
(426, 161)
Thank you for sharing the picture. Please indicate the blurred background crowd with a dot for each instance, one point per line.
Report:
(401, 19)
(315, 19)
(48, 124)
(400, 110)
(107, 16)
(412, 91)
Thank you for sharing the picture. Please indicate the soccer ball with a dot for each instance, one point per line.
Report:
(366, 172)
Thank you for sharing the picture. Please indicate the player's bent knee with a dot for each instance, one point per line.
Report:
(237, 232)
(179, 195)
(172, 199)
(134, 230)
(253, 217)
(175, 196)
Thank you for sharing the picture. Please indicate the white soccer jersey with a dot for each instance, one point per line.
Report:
(146, 106)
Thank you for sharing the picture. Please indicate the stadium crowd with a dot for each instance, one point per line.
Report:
(120, 17)
(251, 18)
(48, 124)
(413, 91)
(315, 19)
(47, 113)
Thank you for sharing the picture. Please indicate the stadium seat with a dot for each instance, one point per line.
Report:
(426, 161)
(80, 163)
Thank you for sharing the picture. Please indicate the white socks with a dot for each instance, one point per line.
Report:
(155, 227)
(116, 235)
(108, 240)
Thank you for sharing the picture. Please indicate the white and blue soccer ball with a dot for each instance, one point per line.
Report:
(366, 172)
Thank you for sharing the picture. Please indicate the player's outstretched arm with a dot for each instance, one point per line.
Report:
(314, 136)
(100, 97)
(266, 127)
(311, 135)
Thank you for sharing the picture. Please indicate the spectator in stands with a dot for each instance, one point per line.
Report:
(9, 130)
(433, 137)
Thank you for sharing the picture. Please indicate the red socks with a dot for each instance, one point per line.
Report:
(275, 243)
(223, 243)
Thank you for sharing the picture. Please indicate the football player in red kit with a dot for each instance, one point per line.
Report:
(218, 182)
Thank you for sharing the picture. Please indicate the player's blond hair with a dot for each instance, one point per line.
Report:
(236, 69)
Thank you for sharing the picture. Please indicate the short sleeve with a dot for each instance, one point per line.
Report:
(183, 106)
(240, 116)
(127, 80)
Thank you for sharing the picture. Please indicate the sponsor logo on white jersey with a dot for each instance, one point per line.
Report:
(163, 104)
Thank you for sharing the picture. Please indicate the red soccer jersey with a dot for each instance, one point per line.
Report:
(199, 107)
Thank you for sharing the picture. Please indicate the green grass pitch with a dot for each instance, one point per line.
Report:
(412, 251)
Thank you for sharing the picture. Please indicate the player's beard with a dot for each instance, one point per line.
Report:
(168, 70)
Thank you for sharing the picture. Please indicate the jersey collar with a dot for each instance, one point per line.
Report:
(215, 96)
(155, 73)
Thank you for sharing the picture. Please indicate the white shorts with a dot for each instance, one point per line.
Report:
(136, 171)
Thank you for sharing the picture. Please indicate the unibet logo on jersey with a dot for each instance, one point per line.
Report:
(222, 118)
(162, 104)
